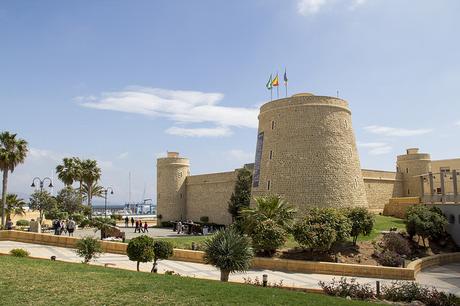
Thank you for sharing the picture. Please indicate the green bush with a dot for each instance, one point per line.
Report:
(162, 249)
(396, 243)
(425, 222)
(78, 218)
(89, 248)
(401, 291)
(167, 224)
(23, 223)
(204, 219)
(320, 228)
(345, 288)
(229, 251)
(56, 214)
(268, 236)
(362, 222)
(140, 249)
(84, 223)
(116, 217)
(19, 253)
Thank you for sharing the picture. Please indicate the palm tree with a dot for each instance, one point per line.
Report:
(229, 251)
(90, 173)
(14, 205)
(66, 171)
(96, 190)
(271, 207)
(13, 151)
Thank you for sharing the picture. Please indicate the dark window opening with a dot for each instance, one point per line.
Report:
(268, 185)
(408, 191)
(407, 170)
(273, 124)
(271, 154)
(451, 219)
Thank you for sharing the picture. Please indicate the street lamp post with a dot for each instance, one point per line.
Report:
(41, 182)
(106, 190)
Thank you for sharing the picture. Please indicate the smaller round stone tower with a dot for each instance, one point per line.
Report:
(171, 174)
(409, 167)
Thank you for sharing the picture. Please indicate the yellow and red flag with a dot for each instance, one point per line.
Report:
(275, 81)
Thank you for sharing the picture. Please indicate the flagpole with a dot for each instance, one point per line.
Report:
(286, 84)
(278, 91)
(271, 94)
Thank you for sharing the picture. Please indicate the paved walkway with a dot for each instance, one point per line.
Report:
(129, 232)
(446, 278)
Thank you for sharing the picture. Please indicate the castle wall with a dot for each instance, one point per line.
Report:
(208, 195)
(380, 186)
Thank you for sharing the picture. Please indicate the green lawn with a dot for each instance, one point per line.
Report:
(381, 223)
(25, 281)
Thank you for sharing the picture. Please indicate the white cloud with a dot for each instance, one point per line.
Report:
(398, 132)
(35, 154)
(123, 155)
(308, 7)
(376, 148)
(241, 156)
(457, 123)
(180, 106)
(199, 132)
(311, 7)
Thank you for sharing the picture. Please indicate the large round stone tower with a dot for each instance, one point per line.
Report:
(171, 174)
(306, 152)
(410, 166)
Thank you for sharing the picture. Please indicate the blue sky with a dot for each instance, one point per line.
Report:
(125, 81)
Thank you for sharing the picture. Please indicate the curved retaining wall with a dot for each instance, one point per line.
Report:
(275, 264)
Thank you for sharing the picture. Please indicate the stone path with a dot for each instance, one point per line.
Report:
(446, 278)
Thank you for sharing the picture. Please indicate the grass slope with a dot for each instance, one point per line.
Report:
(25, 281)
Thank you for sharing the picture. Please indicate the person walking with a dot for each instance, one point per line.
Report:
(146, 227)
(138, 226)
(132, 221)
(71, 227)
(126, 221)
(63, 227)
(57, 227)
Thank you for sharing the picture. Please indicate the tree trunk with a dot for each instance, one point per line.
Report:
(224, 275)
(138, 266)
(154, 267)
(4, 191)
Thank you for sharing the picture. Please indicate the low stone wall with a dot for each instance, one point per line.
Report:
(434, 260)
(276, 264)
(397, 207)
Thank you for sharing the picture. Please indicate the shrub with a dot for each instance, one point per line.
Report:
(362, 222)
(425, 222)
(229, 251)
(140, 249)
(320, 228)
(161, 250)
(78, 218)
(166, 224)
(84, 223)
(204, 219)
(268, 236)
(400, 291)
(56, 214)
(345, 288)
(396, 243)
(116, 217)
(22, 223)
(389, 258)
(89, 248)
(19, 253)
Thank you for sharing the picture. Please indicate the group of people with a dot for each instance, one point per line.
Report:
(64, 226)
(140, 227)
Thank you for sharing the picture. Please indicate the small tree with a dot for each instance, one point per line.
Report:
(241, 196)
(161, 250)
(140, 249)
(268, 236)
(362, 222)
(425, 222)
(320, 228)
(89, 248)
(42, 201)
(229, 251)
(69, 200)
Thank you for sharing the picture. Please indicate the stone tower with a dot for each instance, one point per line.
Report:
(409, 167)
(172, 172)
(306, 152)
